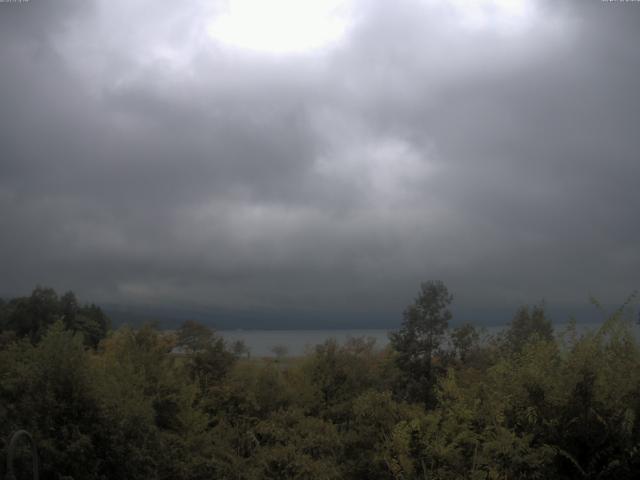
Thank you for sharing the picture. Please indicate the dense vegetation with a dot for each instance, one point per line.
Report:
(437, 404)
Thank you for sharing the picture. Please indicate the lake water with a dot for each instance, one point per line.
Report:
(299, 342)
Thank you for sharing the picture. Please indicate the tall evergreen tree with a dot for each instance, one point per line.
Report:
(419, 338)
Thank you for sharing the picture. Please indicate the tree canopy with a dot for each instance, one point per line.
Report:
(417, 342)
(30, 317)
(522, 405)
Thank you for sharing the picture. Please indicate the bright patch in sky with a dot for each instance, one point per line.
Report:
(281, 26)
(498, 15)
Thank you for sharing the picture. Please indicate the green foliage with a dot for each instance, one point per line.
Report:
(30, 317)
(147, 404)
(340, 373)
(465, 340)
(208, 359)
(528, 324)
(193, 337)
(418, 341)
(295, 446)
(210, 365)
(46, 389)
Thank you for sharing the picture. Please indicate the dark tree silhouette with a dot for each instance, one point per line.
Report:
(419, 338)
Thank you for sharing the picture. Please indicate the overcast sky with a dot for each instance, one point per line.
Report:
(324, 155)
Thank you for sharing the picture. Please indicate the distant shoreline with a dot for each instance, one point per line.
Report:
(297, 341)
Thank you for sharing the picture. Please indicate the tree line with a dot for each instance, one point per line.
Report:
(437, 403)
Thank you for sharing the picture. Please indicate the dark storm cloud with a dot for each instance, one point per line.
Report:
(144, 162)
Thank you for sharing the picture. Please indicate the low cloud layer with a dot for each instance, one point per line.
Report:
(145, 161)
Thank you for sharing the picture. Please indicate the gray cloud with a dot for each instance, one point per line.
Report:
(142, 162)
